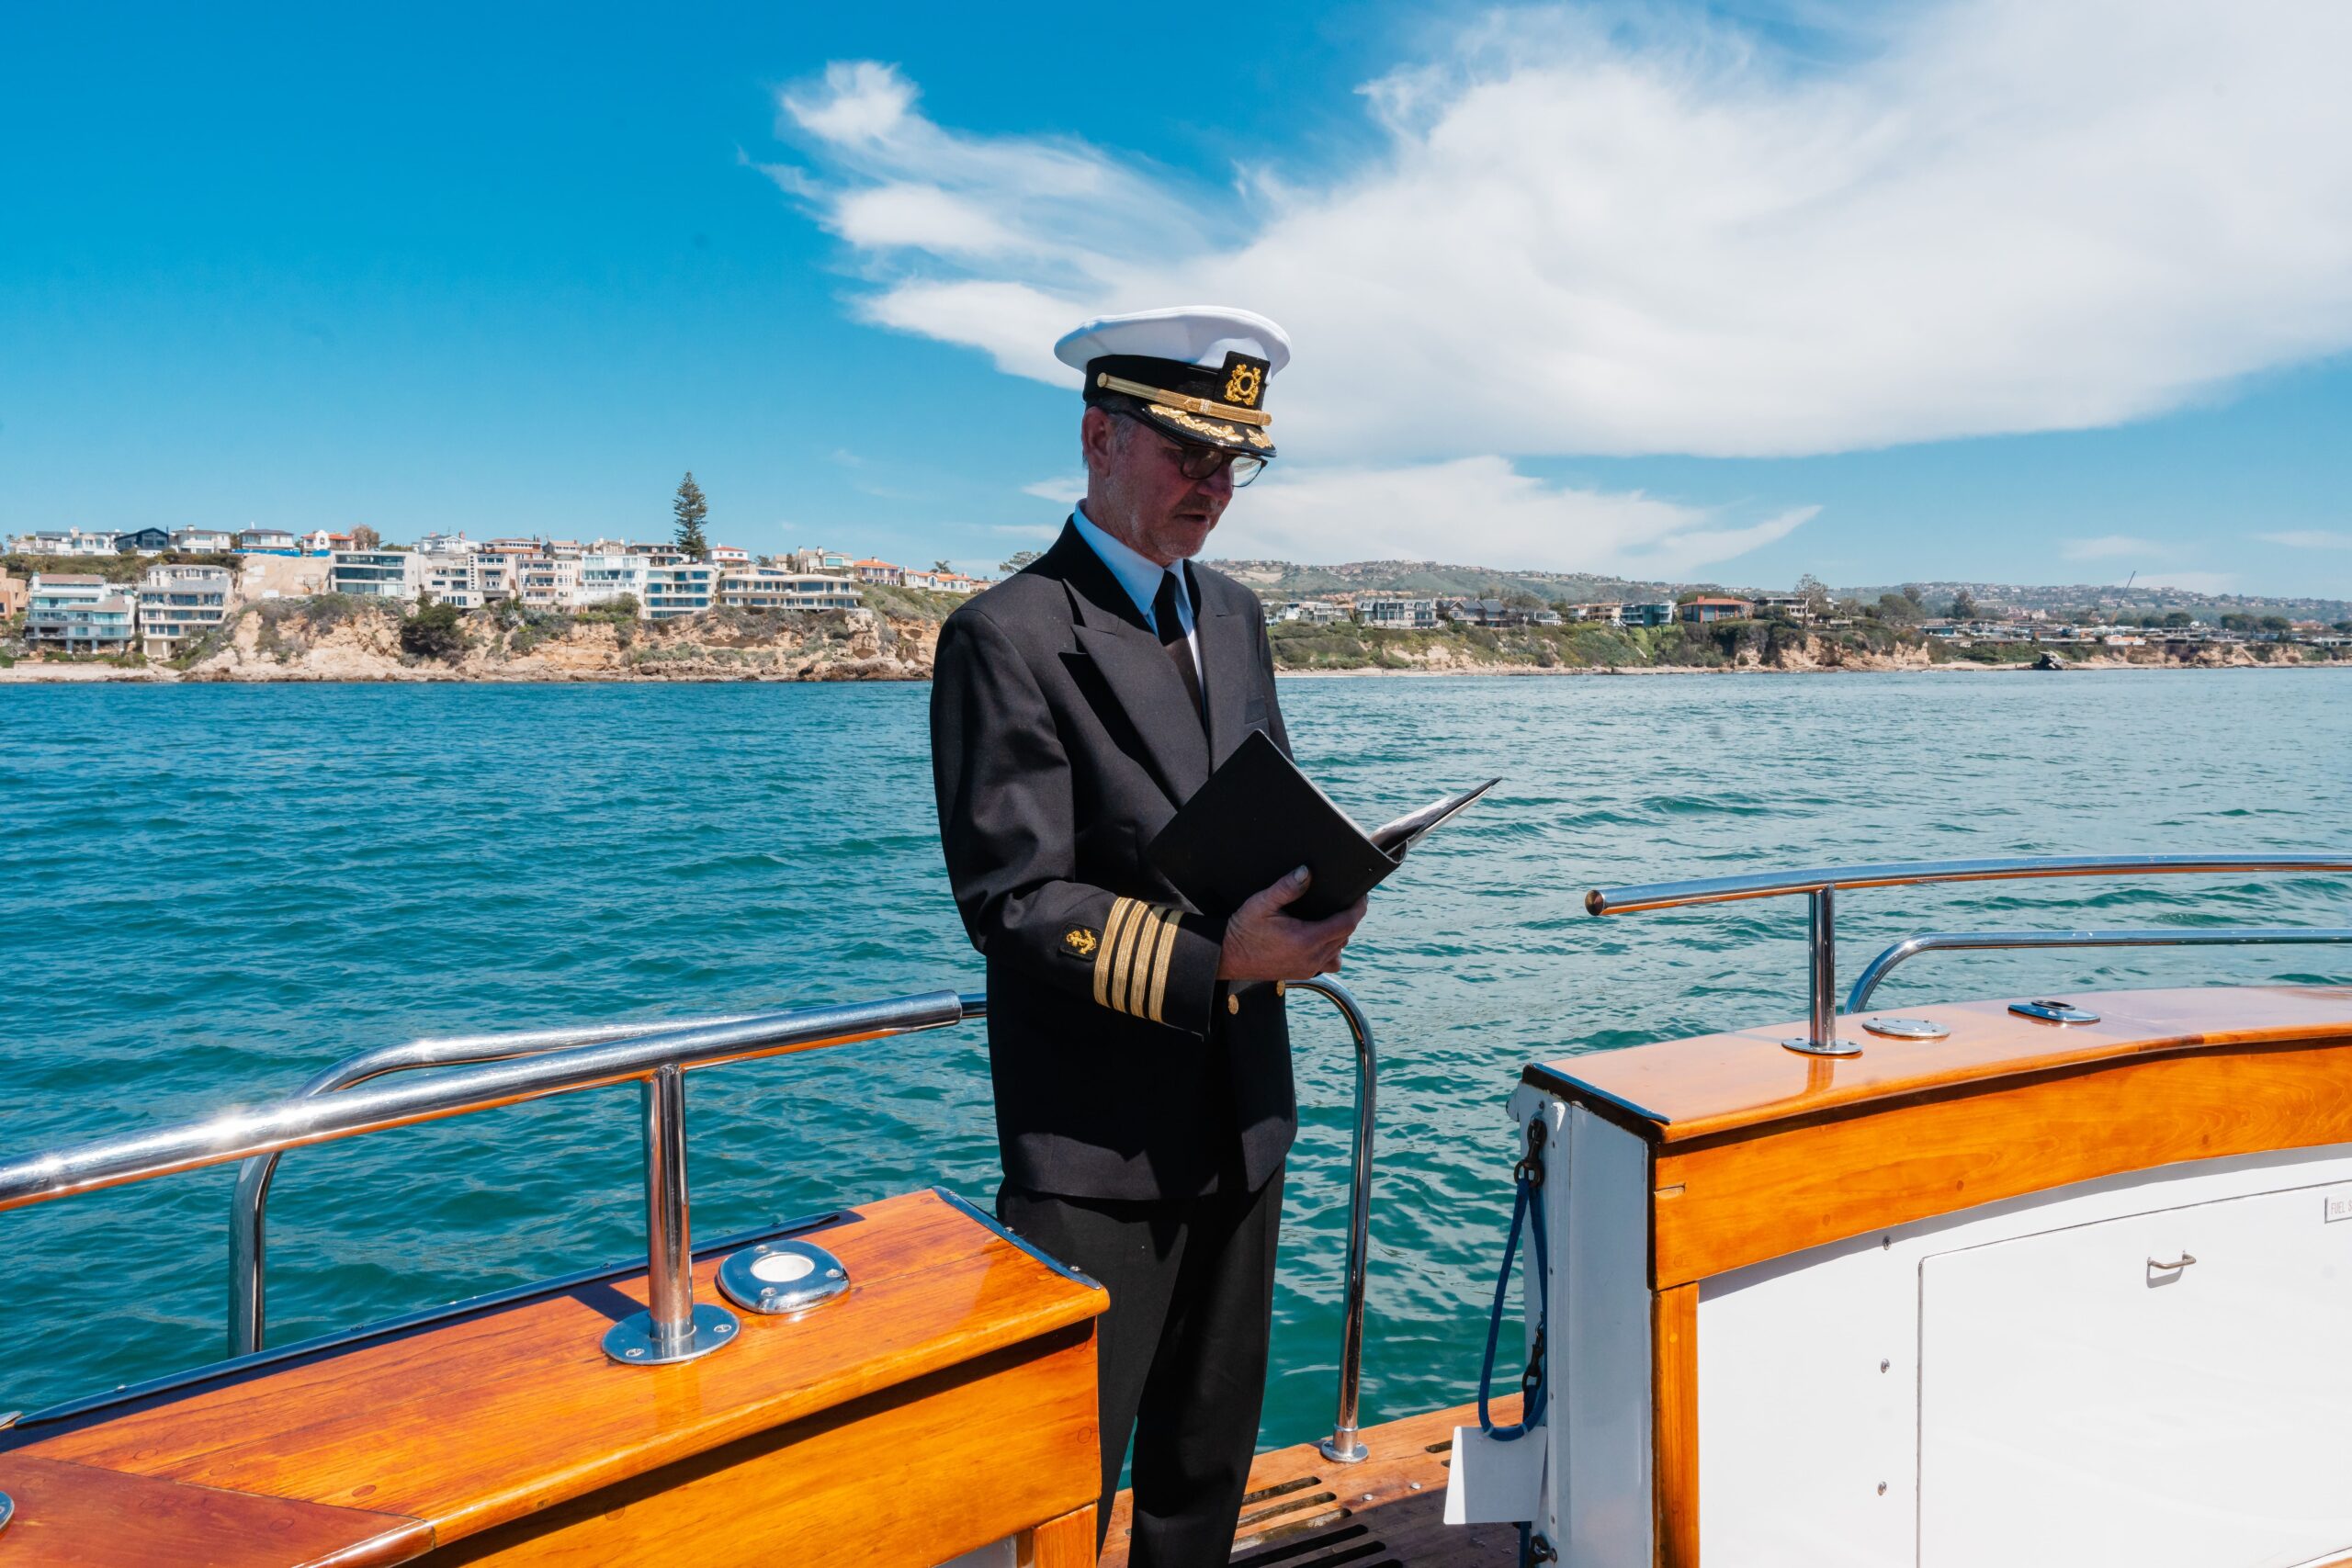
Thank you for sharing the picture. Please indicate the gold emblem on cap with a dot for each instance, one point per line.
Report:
(1244, 385)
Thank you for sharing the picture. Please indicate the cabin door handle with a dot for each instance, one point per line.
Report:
(2183, 1261)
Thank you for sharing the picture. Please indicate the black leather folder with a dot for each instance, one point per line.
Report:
(1258, 818)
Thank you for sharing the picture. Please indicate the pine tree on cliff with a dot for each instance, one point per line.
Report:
(691, 509)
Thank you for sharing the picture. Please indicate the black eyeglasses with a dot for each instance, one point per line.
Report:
(1196, 462)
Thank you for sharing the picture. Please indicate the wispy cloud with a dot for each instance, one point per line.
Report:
(2309, 539)
(2000, 216)
(1066, 490)
(2112, 546)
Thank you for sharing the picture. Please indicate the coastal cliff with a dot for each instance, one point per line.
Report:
(330, 639)
(894, 637)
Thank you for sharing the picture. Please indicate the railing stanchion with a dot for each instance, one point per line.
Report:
(669, 1246)
(248, 1253)
(1821, 968)
(671, 1327)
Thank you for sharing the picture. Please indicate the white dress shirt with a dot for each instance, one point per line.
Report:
(1140, 575)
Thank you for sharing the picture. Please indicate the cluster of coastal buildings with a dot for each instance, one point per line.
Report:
(1389, 612)
(79, 613)
(1392, 612)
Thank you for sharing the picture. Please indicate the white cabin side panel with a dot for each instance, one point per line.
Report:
(1597, 1213)
(2173, 1390)
(1798, 1425)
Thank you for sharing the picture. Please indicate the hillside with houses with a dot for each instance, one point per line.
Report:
(151, 597)
(268, 604)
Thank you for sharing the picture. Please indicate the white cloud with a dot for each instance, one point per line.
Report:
(1994, 216)
(1479, 511)
(2309, 539)
(1066, 490)
(2112, 546)
(862, 102)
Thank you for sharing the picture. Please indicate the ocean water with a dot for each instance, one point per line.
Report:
(209, 892)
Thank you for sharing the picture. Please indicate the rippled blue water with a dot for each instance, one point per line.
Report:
(211, 891)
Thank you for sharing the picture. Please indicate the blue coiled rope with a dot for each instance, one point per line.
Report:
(1534, 1383)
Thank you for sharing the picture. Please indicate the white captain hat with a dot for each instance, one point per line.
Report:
(1198, 372)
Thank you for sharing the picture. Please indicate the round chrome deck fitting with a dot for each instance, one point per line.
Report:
(781, 1278)
(1906, 1028)
(1832, 1046)
(631, 1341)
(2050, 1012)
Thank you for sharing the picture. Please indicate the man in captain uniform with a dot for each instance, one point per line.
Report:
(1143, 1087)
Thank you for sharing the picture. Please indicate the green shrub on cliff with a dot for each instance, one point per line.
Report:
(435, 631)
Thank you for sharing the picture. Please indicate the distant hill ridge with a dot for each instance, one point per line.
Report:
(1276, 578)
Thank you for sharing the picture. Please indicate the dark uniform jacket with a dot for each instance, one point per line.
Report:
(1062, 741)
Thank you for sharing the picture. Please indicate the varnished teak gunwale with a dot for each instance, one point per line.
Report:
(480, 1421)
(917, 1473)
(1758, 1152)
(1742, 1082)
(68, 1513)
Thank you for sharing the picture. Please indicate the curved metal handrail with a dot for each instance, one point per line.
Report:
(248, 1238)
(1344, 1445)
(671, 1327)
(294, 1123)
(1820, 887)
(1644, 896)
(505, 1069)
(1875, 972)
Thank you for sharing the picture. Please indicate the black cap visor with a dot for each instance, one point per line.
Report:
(1191, 404)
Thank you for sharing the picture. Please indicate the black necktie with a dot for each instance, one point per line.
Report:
(1171, 640)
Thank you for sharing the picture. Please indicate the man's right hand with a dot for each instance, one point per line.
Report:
(1264, 943)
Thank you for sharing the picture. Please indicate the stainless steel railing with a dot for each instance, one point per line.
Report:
(495, 1070)
(1821, 886)
(248, 1212)
(1344, 1445)
(668, 1329)
(1876, 971)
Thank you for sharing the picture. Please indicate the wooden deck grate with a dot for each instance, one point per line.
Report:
(1302, 1511)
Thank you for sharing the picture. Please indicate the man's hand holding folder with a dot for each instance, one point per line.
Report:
(1262, 943)
(1256, 814)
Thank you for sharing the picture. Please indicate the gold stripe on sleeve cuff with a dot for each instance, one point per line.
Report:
(1126, 985)
(1132, 964)
(1169, 919)
(1115, 929)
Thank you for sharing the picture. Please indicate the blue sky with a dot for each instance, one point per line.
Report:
(2030, 292)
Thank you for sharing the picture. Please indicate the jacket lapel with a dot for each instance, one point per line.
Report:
(1112, 634)
(1229, 662)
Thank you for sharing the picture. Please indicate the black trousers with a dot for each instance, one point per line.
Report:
(1182, 1351)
